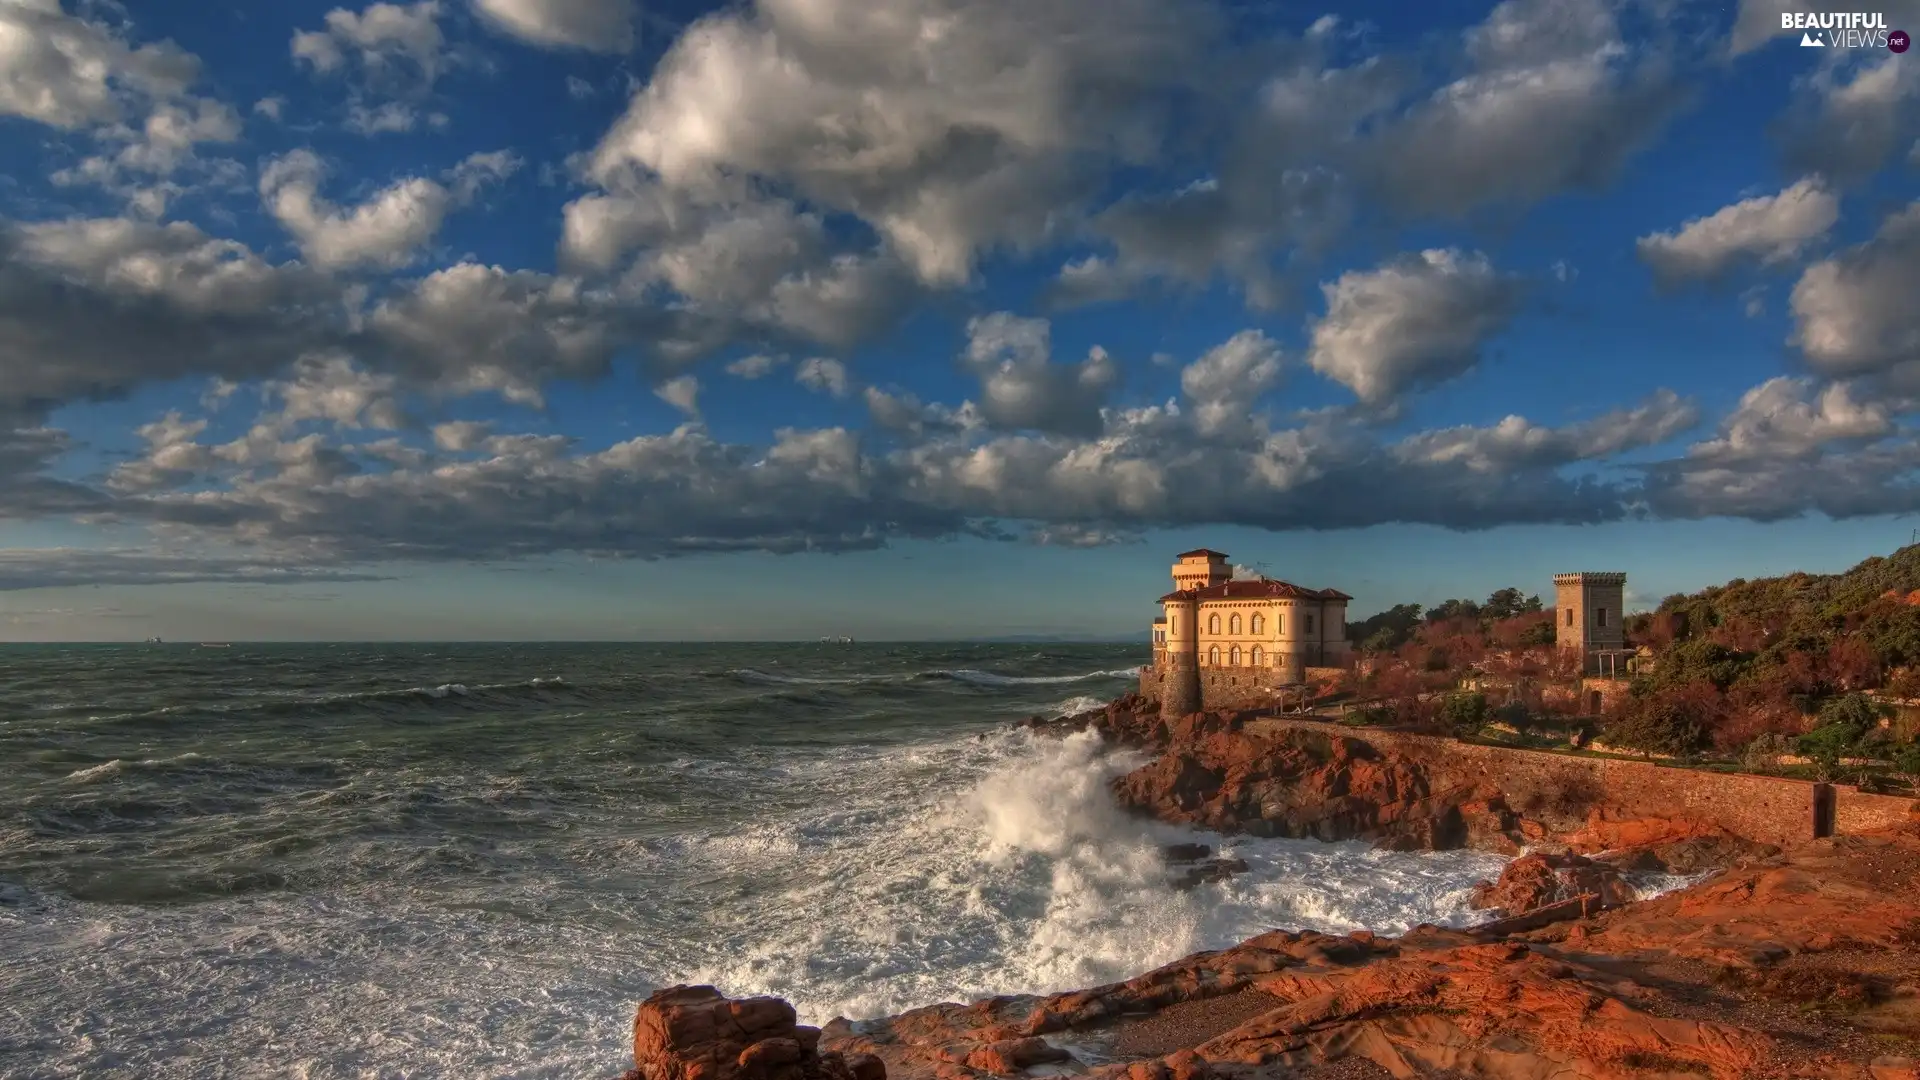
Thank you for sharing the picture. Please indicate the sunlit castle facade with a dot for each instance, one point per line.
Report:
(1227, 643)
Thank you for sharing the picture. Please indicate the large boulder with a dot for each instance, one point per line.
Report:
(697, 1033)
(1536, 880)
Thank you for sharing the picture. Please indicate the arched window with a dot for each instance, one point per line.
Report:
(1234, 656)
(1213, 624)
(1233, 625)
(1213, 656)
(1257, 658)
(1258, 624)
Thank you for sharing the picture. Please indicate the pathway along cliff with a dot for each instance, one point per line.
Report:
(1796, 963)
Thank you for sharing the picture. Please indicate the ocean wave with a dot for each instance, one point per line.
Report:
(976, 677)
(394, 700)
(1074, 706)
(119, 765)
(1026, 877)
(768, 678)
(969, 676)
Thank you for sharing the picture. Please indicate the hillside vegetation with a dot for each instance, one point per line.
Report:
(1804, 664)
(1752, 661)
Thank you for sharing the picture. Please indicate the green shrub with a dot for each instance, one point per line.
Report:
(1465, 711)
(1856, 711)
(1372, 714)
(1514, 714)
(1658, 725)
(1762, 752)
(1906, 762)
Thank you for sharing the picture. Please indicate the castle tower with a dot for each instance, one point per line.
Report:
(1589, 614)
(1200, 568)
(1180, 677)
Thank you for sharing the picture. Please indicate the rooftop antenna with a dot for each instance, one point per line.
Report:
(1261, 567)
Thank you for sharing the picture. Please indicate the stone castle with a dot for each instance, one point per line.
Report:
(1223, 642)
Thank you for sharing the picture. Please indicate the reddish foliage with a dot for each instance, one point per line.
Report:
(1904, 683)
(1510, 633)
(1661, 629)
(1852, 665)
(1752, 712)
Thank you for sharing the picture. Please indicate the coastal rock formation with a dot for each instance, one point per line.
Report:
(1239, 772)
(695, 1033)
(1197, 865)
(1797, 966)
(1536, 880)
(1223, 772)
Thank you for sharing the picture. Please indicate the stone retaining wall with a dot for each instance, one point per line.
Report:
(1233, 688)
(1768, 809)
(1222, 688)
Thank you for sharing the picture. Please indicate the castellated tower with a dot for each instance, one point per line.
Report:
(1589, 614)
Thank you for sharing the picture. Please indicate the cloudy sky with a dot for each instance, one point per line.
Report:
(923, 318)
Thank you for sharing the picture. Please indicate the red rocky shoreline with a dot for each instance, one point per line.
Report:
(1797, 963)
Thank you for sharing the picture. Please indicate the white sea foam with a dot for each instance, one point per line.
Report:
(1074, 706)
(116, 766)
(96, 772)
(884, 879)
(1032, 880)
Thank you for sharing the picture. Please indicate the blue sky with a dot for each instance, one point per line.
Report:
(592, 319)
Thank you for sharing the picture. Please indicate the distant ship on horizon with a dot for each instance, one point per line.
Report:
(155, 641)
(836, 639)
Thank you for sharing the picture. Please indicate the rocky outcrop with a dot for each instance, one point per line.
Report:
(1228, 773)
(695, 1033)
(1538, 879)
(1803, 965)
(1240, 773)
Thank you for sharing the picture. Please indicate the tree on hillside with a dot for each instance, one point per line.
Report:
(1507, 603)
(1675, 720)
(1700, 661)
(1386, 631)
(1453, 609)
(1845, 723)
(1523, 631)
(1852, 664)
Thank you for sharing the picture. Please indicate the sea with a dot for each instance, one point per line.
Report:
(370, 860)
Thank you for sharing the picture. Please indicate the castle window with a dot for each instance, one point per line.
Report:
(1234, 656)
(1280, 624)
(1257, 658)
(1213, 656)
(1213, 624)
(1599, 616)
(1569, 616)
(1309, 625)
(1233, 625)
(1173, 624)
(1257, 621)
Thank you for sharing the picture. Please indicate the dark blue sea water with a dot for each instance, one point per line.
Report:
(473, 860)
